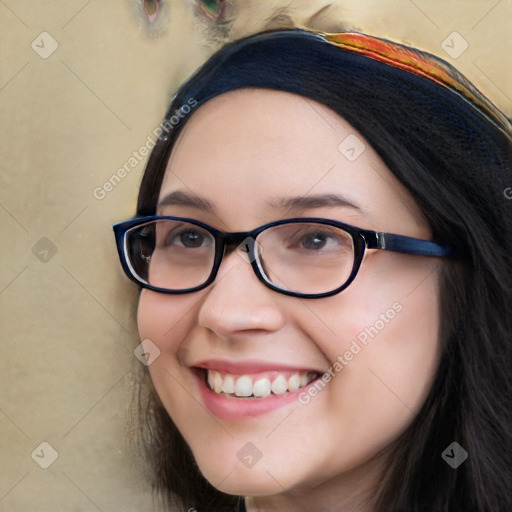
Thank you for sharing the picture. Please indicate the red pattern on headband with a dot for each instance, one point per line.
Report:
(420, 63)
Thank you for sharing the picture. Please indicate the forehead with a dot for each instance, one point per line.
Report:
(258, 119)
(249, 146)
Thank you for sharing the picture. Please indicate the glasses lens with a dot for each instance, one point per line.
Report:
(306, 257)
(170, 254)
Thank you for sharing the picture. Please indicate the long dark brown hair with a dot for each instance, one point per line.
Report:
(457, 164)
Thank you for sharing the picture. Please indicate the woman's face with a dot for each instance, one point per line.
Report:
(250, 157)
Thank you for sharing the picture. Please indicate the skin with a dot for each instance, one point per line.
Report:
(241, 151)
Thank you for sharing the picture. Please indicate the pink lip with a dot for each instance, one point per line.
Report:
(249, 367)
(233, 409)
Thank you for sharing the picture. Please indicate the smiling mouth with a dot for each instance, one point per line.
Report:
(260, 385)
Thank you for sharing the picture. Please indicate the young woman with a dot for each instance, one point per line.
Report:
(323, 239)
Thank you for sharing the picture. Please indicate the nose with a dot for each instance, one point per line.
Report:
(238, 302)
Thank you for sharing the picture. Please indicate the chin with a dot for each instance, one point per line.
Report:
(243, 481)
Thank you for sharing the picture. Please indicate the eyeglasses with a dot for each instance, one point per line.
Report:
(302, 257)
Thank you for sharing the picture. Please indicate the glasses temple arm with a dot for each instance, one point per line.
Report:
(406, 244)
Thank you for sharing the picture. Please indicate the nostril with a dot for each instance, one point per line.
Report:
(151, 9)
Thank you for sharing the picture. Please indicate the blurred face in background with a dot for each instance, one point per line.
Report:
(278, 397)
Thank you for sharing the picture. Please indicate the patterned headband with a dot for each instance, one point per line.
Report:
(422, 64)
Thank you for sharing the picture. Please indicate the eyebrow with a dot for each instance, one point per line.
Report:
(314, 201)
(179, 198)
(296, 203)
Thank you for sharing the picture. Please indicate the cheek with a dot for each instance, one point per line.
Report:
(165, 319)
(381, 339)
(406, 356)
(393, 301)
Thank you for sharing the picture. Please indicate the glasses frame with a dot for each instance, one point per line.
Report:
(363, 239)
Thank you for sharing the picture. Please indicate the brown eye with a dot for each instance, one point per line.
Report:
(211, 8)
(151, 8)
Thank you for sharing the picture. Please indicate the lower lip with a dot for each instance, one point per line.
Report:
(231, 408)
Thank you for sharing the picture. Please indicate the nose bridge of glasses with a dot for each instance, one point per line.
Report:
(242, 240)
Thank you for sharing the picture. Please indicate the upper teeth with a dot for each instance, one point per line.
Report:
(258, 386)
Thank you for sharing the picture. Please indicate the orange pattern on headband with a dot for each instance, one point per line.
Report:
(419, 63)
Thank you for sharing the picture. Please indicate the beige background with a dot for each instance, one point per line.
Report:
(69, 121)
